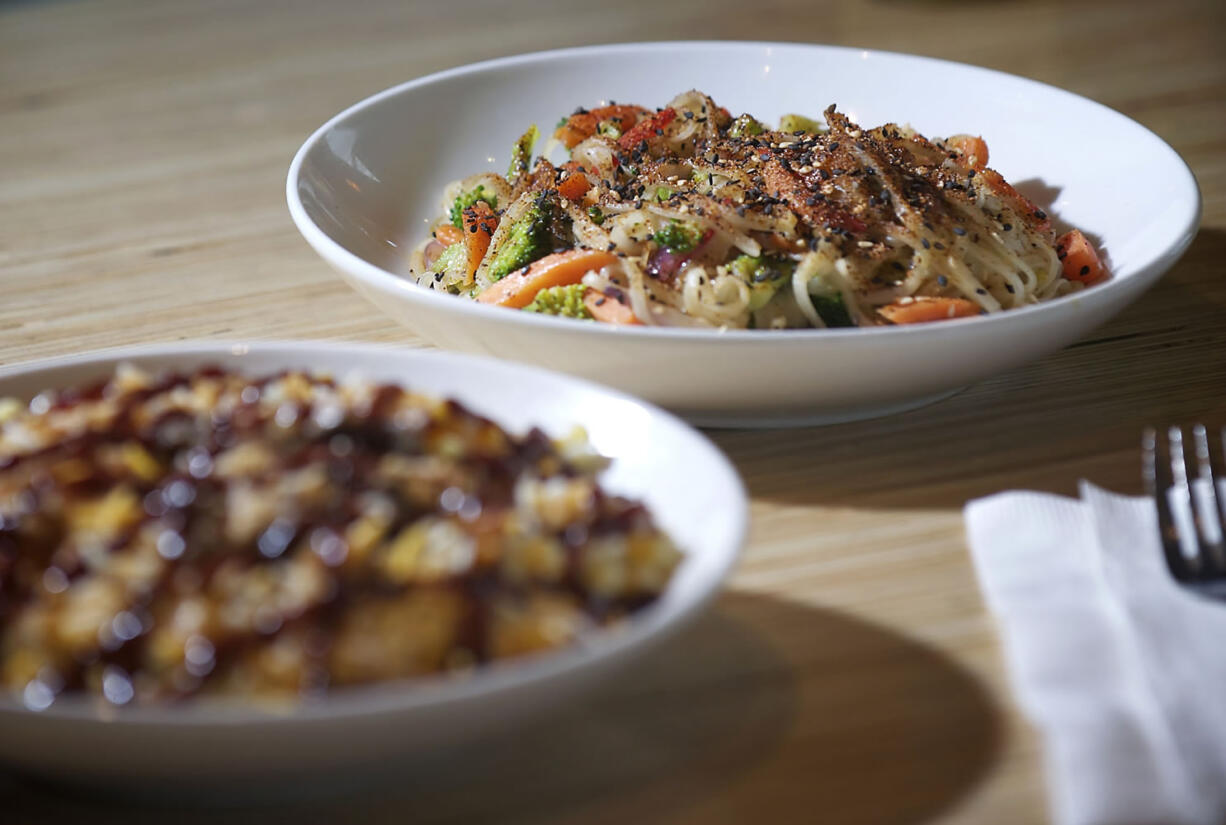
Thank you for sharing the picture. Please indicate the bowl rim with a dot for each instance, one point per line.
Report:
(647, 626)
(384, 280)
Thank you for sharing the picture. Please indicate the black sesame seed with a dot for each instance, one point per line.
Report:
(942, 280)
(1085, 270)
(924, 241)
(959, 230)
(1040, 214)
(1007, 227)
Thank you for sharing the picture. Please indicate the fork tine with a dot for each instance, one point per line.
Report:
(1156, 474)
(1205, 498)
(1179, 499)
(1218, 474)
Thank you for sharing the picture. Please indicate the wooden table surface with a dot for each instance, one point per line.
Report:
(850, 674)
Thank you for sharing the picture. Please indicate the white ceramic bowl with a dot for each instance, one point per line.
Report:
(690, 487)
(363, 188)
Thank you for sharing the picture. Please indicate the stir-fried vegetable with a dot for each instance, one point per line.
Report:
(466, 199)
(521, 153)
(561, 300)
(519, 288)
(528, 240)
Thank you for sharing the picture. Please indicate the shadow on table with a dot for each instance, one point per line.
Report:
(763, 710)
(1075, 414)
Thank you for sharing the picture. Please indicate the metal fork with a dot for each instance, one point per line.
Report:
(1191, 510)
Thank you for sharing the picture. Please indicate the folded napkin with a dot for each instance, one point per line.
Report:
(1122, 671)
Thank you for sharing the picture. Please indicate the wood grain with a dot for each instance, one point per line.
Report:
(851, 674)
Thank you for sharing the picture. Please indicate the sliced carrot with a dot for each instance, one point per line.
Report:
(519, 288)
(574, 186)
(609, 309)
(1024, 206)
(1079, 258)
(922, 310)
(646, 129)
(448, 234)
(972, 147)
(582, 125)
(479, 225)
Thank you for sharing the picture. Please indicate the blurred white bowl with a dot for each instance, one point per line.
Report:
(363, 189)
(691, 489)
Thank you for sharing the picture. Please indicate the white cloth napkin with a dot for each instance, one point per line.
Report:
(1122, 671)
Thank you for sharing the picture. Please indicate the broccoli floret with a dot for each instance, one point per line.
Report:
(561, 300)
(521, 153)
(596, 214)
(451, 259)
(763, 275)
(529, 238)
(800, 123)
(676, 236)
(663, 193)
(745, 126)
(832, 310)
(466, 199)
